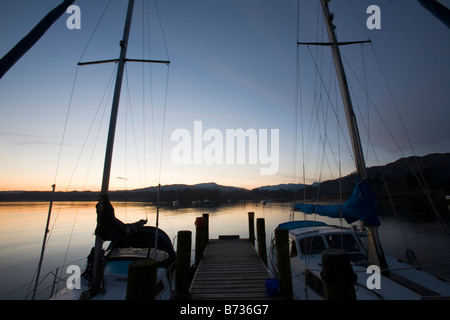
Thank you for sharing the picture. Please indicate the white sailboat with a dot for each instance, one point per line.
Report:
(309, 238)
(107, 272)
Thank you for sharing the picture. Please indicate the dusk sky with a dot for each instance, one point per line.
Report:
(233, 65)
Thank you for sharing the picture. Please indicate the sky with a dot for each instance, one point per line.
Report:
(233, 65)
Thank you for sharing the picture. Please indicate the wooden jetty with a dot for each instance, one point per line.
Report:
(230, 269)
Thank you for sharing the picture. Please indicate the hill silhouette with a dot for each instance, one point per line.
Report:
(404, 180)
(410, 182)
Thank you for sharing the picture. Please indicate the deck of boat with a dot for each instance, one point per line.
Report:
(230, 269)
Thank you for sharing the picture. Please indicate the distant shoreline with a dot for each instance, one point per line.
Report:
(401, 181)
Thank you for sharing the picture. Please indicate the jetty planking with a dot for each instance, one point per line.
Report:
(230, 269)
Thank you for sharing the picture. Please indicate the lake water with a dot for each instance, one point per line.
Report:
(72, 226)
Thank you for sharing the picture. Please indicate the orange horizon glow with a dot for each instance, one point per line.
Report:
(35, 187)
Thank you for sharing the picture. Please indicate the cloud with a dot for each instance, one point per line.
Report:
(20, 139)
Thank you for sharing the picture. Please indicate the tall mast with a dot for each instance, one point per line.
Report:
(97, 273)
(343, 85)
(116, 99)
(375, 250)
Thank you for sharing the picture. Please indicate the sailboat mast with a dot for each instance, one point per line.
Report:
(375, 250)
(110, 143)
(116, 100)
(343, 85)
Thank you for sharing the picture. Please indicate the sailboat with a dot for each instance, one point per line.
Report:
(308, 239)
(107, 272)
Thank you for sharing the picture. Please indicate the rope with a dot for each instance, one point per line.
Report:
(162, 30)
(164, 124)
(329, 100)
(421, 179)
(297, 109)
(129, 106)
(65, 130)
(421, 183)
(72, 91)
(107, 89)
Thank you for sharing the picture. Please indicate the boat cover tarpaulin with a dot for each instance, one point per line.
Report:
(145, 238)
(360, 206)
(300, 224)
(134, 235)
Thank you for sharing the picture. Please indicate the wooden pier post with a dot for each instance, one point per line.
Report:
(251, 227)
(284, 263)
(338, 275)
(141, 284)
(182, 278)
(201, 239)
(261, 234)
(206, 217)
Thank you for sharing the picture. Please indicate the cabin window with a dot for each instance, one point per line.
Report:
(343, 241)
(312, 245)
(314, 283)
(292, 248)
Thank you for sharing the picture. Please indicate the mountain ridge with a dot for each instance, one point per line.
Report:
(401, 176)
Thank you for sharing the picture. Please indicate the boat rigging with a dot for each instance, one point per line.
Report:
(308, 239)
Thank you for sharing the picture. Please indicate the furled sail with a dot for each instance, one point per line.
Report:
(109, 228)
(125, 235)
(360, 206)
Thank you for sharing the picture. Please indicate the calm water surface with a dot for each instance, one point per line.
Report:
(72, 228)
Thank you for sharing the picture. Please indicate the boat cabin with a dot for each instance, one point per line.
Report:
(307, 241)
(312, 240)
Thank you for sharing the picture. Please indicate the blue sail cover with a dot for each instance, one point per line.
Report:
(360, 206)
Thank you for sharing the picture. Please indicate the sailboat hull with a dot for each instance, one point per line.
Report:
(401, 281)
(116, 284)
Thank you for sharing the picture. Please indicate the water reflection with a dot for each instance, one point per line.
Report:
(73, 223)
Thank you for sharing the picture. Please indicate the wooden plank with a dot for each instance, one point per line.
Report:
(230, 269)
(231, 296)
(200, 281)
(224, 269)
(229, 285)
(231, 278)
